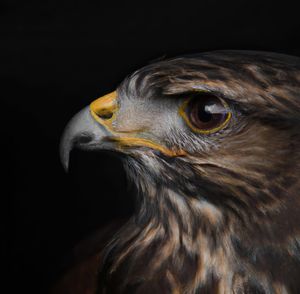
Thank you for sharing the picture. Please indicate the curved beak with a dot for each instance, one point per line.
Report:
(89, 128)
(81, 131)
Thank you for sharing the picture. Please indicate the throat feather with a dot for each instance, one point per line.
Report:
(168, 239)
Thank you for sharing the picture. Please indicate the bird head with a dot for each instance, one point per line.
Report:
(212, 143)
(221, 126)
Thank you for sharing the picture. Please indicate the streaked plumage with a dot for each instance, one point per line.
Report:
(216, 212)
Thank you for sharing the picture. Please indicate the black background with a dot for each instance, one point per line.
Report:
(56, 57)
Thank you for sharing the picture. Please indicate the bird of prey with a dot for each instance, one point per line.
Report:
(211, 142)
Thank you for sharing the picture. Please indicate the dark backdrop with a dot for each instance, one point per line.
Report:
(59, 55)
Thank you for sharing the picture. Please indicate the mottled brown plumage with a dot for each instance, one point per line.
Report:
(225, 216)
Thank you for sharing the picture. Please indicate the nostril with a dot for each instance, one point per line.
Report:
(105, 114)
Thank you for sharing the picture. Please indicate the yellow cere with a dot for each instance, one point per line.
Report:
(182, 113)
(104, 111)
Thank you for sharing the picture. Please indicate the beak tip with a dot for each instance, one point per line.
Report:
(64, 152)
(64, 159)
(65, 165)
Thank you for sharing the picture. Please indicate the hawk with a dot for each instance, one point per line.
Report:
(211, 142)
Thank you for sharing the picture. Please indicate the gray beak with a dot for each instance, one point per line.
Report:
(84, 132)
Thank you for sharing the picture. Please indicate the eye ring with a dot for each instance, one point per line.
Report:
(209, 121)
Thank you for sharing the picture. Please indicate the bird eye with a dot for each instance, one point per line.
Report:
(206, 114)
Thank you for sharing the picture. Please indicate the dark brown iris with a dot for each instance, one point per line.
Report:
(207, 112)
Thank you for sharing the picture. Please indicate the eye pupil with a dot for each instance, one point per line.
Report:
(207, 112)
(203, 114)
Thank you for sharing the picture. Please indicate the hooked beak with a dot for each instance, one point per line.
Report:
(88, 129)
(82, 131)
